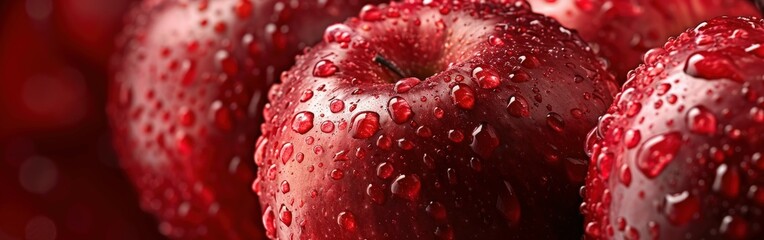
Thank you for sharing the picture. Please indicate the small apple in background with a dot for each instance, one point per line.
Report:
(679, 154)
(185, 97)
(623, 30)
(420, 120)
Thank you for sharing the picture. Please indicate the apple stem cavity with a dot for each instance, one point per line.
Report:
(389, 65)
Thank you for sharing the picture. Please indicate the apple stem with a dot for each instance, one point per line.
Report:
(389, 65)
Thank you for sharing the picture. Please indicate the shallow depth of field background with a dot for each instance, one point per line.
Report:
(59, 177)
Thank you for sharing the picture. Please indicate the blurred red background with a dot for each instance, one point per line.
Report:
(59, 177)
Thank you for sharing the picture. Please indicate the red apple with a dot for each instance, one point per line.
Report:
(678, 156)
(623, 30)
(420, 120)
(184, 101)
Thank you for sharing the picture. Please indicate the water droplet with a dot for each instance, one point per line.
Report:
(327, 126)
(385, 170)
(518, 106)
(336, 105)
(285, 215)
(455, 136)
(486, 140)
(227, 63)
(632, 138)
(727, 181)
(325, 68)
(370, 13)
(495, 41)
(243, 9)
(186, 116)
(657, 152)
(529, 61)
(269, 222)
(406, 187)
(734, 227)
(221, 116)
(700, 120)
(625, 175)
(306, 95)
(302, 122)
(437, 211)
(681, 207)
(486, 78)
(508, 204)
(463, 96)
(711, 66)
(438, 112)
(399, 110)
(376, 194)
(346, 220)
(365, 125)
(406, 84)
(337, 174)
(555, 121)
(520, 76)
(286, 152)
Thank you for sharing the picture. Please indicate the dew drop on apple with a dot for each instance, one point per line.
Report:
(518, 106)
(529, 61)
(337, 174)
(346, 220)
(624, 174)
(555, 121)
(325, 68)
(632, 138)
(406, 186)
(306, 95)
(269, 221)
(184, 143)
(399, 110)
(455, 135)
(437, 211)
(189, 71)
(336, 105)
(520, 76)
(438, 112)
(376, 194)
(327, 126)
(444, 232)
(701, 121)
(221, 116)
(605, 164)
(286, 152)
(757, 114)
(486, 140)
(243, 9)
(302, 122)
(734, 227)
(681, 207)
(727, 181)
(463, 96)
(186, 116)
(486, 77)
(657, 152)
(385, 170)
(406, 84)
(365, 125)
(495, 41)
(285, 215)
(711, 66)
(384, 142)
(508, 204)
(370, 13)
(227, 63)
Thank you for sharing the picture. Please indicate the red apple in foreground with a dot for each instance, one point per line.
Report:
(445, 120)
(185, 99)
(623, 30)
(679, 156)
